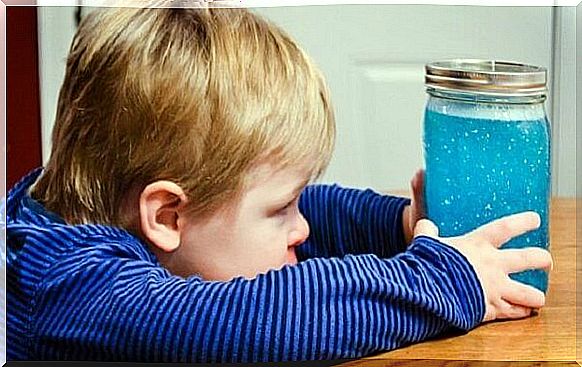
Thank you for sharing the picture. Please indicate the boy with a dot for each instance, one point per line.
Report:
(173, 222)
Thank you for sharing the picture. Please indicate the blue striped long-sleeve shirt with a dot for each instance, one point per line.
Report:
(94, 292)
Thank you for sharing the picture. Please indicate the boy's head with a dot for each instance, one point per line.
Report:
(196, 98)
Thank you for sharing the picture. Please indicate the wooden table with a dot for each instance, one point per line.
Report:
(548, 339)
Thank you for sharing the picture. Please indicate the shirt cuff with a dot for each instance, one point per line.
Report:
(464, 280)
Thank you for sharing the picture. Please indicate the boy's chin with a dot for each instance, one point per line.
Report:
(290, 259)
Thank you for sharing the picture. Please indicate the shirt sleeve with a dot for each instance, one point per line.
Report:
(351, 221)
(101, 307)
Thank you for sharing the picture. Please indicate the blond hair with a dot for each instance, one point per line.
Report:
(194, 96)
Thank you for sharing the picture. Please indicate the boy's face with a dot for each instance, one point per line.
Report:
(258, 233)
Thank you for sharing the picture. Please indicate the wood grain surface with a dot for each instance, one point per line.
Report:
(546, 339)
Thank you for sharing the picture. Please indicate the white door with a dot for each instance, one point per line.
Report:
(373, 57)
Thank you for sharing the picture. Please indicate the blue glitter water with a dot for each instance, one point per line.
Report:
(484, 162)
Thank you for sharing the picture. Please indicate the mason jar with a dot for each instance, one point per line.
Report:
(487, 149)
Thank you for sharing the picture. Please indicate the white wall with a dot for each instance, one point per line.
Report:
(579, 112)
(56, 28)
(564, 102)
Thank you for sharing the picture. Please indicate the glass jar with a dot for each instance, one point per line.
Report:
(487, 149)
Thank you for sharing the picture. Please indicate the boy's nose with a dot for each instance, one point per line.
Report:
(300, 233)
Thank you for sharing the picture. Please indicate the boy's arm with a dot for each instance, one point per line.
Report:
(125, 309)
(351, 221)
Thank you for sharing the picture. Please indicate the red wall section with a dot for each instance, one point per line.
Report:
(22, 93)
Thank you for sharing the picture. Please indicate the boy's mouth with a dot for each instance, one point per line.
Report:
(291, 257)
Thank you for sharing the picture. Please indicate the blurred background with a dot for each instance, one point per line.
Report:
(373, 57)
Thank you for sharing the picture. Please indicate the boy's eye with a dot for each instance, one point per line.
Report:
(285, 208)
(288, 205)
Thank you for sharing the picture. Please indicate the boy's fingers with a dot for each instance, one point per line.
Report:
(417, 184)
(517, 260)
(524, 295)
(418, 181)
(503, 229)
(511, 311)
(425, 227)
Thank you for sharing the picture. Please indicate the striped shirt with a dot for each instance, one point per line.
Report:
(95, 292)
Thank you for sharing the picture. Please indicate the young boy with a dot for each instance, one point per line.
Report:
(173, 221)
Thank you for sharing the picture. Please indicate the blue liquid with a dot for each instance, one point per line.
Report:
(480, 169)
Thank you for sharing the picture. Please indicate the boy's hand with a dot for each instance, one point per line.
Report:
(504, 298)
(416, 211)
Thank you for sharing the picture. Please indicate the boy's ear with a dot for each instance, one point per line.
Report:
(160, 205)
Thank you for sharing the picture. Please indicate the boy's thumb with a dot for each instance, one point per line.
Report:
(425, 227)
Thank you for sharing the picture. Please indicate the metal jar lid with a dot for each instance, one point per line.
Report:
(487, 77)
